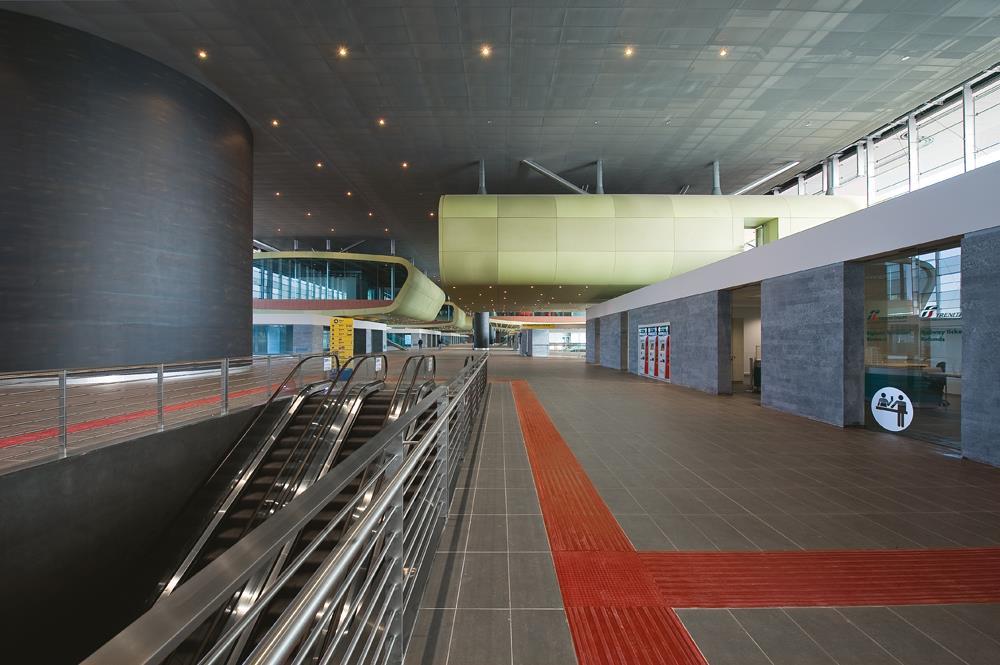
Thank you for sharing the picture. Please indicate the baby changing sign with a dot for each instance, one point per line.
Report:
(892, 409)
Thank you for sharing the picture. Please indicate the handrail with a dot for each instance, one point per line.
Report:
(388, 551)
(396, 407)
(69, 411)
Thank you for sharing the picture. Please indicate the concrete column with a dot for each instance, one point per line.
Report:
(716, 179)
(481, 330)
(812, 343)
(981, 346)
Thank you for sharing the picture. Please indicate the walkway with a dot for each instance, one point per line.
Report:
(752, 536)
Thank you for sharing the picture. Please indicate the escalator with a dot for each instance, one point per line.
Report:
(324, 424)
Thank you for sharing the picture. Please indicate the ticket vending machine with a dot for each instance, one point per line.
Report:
(643, 357)
(654, 351)
(663, 351)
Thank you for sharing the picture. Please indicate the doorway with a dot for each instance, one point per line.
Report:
(745, 352)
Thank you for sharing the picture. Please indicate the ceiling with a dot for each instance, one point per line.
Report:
(800, 79)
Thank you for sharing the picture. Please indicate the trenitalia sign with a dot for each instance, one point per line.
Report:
(932, 312)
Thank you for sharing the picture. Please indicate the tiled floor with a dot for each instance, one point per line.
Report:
(493, 597)
(682, 470)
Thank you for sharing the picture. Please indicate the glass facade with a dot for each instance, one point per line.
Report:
(272, 339)
(325, 279)
(887, 163)
(913, 341)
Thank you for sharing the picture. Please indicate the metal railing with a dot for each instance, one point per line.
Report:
(358, 605)
(53, 414)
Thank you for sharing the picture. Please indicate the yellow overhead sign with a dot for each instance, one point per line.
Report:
(342, 337)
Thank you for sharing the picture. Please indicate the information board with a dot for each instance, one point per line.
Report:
(342, 337)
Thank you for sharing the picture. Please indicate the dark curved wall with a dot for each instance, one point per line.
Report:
(125, 207)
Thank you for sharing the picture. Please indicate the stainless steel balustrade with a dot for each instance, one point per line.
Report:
(358, 607)
(53, 414)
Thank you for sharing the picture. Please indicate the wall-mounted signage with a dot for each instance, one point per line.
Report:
(654, 351)
(892, 409)
(342, 337)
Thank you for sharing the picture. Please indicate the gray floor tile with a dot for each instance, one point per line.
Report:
(487, 533)
(455, 535)
(985, 618)
(444, 579)
(523, 502)
(682, 533)
(481, 637)
(490, 478)
(490, 502)
(721, 533)
(846, 644)
(429, 640)
(759, 533)
(644, 533)
(541, 637)
(484, 581)
(620, 502)
(533, 583)
(526, 533)
(721, 638)
(897, 637)
(780, 638)
(520, 479)
(968, 643)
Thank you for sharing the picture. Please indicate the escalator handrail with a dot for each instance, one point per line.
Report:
(156, 634)
(400, 402)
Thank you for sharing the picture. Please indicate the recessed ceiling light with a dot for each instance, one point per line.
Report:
(331, 229)
(275, 122)
(202, 54)
(350, 193)
(279, 229)
(629, 51)
(309, 214)
(405, 165)
(723, 52)
(386, 230)
(381, 122)
(342, 51)
(905, 58)
(485, 50)
(371, 214)
(431, 213)
(277, 193)
(319, 165)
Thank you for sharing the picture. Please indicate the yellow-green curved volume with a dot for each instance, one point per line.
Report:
(619, 240)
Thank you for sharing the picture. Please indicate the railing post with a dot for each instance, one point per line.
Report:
(444, 446)
(268, 375)
(224, 370)
(396, 552)
(63, 415)
(159, 397)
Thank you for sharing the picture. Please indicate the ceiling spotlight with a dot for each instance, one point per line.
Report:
(309, 214)
(331, 229)
(371, 214)
(431, 213)
(381, 122)
(485, 50)
(350, 193)
(319, 165)
(386, 230)
(342, 51)
(275, 122)
(629, 51)
(277, 193)
(279, 229)
(723, 52)
(405, 165)
(202, 54)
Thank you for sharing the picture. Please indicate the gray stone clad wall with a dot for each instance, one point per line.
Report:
(981, 346)
(812, 343)
(700, 332)
(611, 336)
(591, 332)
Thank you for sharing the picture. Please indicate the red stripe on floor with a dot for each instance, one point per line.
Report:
(830, 578)
(97, 423)
(612, 604)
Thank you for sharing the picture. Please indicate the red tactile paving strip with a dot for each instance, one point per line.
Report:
(826, 578)
(615, 613)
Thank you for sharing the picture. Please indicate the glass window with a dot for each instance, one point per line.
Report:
(892, 168)
(986, 103)
(913, 343)
(940, 145)
(814, 184)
